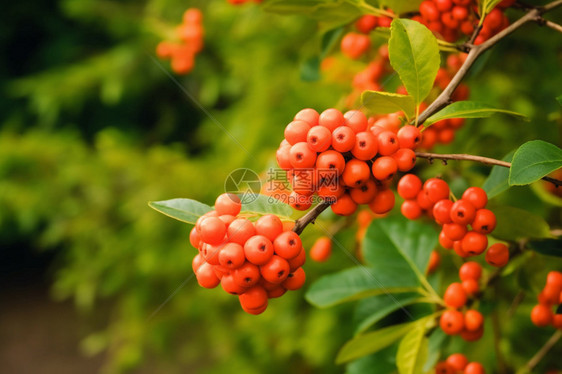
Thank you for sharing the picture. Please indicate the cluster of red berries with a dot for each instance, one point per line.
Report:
(550, 296)
(256, 261)
(339, 158)
(190, 35)
(432, 198)
(450, 19)
(458, 363)
(354, 44)
(470, 324)
(240, 2)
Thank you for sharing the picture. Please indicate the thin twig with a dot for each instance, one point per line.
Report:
(310, 217)
(553, 25)
(480, 159)
(544, 350)
(475, 51)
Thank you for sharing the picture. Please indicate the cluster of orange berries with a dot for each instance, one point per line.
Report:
(190, 34)
(458, 363)
(255, 261)
(550, 296)
(344, 161)
(432, 198)
(354, 44)
(450, 19)
(470, 324)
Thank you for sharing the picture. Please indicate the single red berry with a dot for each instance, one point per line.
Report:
(253, 300)
(295, 280)
(476, 196)
(454, 231)
(298, 261)
(434, 261)
(452, 322)
(301, 156)
(276, 270)
(444, 368)
(484, 221)
(206, 277)
(343, 139)
(231, 256)
(365, 193)
(429, 11)
(436, 189)
(356, 173)
(409, 137)
(331, 160)
(269, 226)
(471, 287)
(442, 211)
(470, 270)
(240, 230)
(383, 202)
(497, 255)
(198, 260)
(344, 205)
(384, 168)
(473, 320)
(194, 238)
(471, 336)
(458, 361)
(331, 118)
(405, 159)
(258, 250)
(554, 278)
(319, 138)
(445, 241)
(455, 295)
(541, 315)
(474, 368)
(366, 146)
(474, 243)
(387, 143)
(462, 212)
(296, 132)
(246, 275)
(308, 115)
(443, 5)
(287, 245)
(366, 23)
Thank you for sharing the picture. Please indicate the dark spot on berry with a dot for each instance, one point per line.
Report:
(247, 279)
(341, 137)
(281, 273)
(229, 262)
(300, 156)
(292, 242)
(314, 139)
(362, 144)
(460, 214)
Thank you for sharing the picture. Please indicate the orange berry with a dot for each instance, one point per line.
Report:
(473, 320)
(321, 249)
(541, 315)
(455, 295)
(452, 322)
(457, 361)
(497, 255)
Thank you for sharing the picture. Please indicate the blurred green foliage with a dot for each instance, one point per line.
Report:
(94, 126)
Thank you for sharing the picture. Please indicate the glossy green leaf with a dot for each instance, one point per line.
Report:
(372, 342)
(185, 210)
(532, 161)
(414, 54)
(310, 69)
(359, 282)
(549, 247)
(412, 351)
(384, 361)
(486, 6)
(436, 341)
(379, 102)
(514, 224)
(497, 181)
(262, 204)
(330, 40)
(371, 310)
(468, 109)
(400, 243)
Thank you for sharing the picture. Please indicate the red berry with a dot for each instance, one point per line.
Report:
(308, 115)
(194, 238)
(246, 275)
(471, 287)
(462, 212)
(484, 221)
(331, 118)
(365, 193)
(387, 143)
(384, 168)
(497, 255)
(206, 277)
(240, 230)
(474, 243)
(436, 189)
(344, 206)
(287, 245)
(454, 231)
(269, 226)
(343, 139)
(458, 361)
(356, 120)
(474, 368)
(405, 159)
(253, 300)
(296, 132)
(411, 209)
(295, 280)
(445, 241)
(429, 11)
(331, 160)
(301, 156)
(452, 322)
(442, 211)
(455, 295)
(356, 173)
(298, 261)
(476, 196)
(228, 204)
(319, 138)
(409, 186)
(470, 270)
(473, 320)
(276, 270)
(541, 315)
(383, 202)
(409, 137)
(231, 256)
(366, 146)
(444, 368)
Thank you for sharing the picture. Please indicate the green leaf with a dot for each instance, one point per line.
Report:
(329, 40)
(468, 109)
(400, 243)
(436, 341)
(486, 6)
(497, 181)
(185, 210)
(414, 54)
(549, 247)
(384, 361)
(559, 99)
(371, 310)
(379, 102)
(261, 204)
(372, 342)
(310, 69)
(359, 282)
(412, 351)
(532, 161)
(514, 224)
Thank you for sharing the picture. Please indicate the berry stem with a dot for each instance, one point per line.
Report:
(541, 353)
(474, 51)
(310, 217)
(482, 160)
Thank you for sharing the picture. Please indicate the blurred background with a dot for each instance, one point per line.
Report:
(93, 126)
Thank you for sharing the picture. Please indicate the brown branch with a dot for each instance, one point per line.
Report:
(480, 159)
(475, 51)
(310, 217)
(552, 25)
(544, 350)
